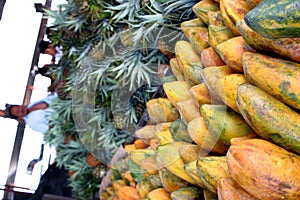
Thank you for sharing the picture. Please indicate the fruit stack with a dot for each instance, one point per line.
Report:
(229, 126)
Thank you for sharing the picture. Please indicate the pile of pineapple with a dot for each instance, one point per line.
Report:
(221, 131)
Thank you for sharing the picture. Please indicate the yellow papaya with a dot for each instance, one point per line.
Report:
(229, 189)
(179, 132)
(191, 193)
(191, 169)
(268, 171)
(176, 69)
(268, 117)
(149, 166)
(209, 58)
(177, 91)
(200, 134)
(211, 169)
(127, 193)
(188, 110)
(198, 37)
(236, 9)
(169, 156)
(208, 195)
(215, 18)
(231, 51)
(170, 182)
(189, 152)
(226, 88)
(227, 20)
(138, 155)
(218, 34)
(146, 133)
(143, 188)
(210, 75)
(203, 7)
(117, 184)
(224, 123)
(200, 94)
(163, 134)
(161, 110)
(284, 82)
(159, 193)
(253, 3)
(284, 47)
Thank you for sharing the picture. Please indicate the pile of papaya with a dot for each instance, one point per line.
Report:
(228, 127)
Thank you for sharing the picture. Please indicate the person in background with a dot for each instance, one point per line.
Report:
(55, 51)
(36, 114)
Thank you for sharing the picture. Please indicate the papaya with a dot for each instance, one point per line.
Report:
(140, 144)
(138, 155)
(135, 171)
(200, 94)
(154, 180)
(191, 193)
(191, 169)
(218, 34)
(224, 123)
(127, 193)
(252, 157)
(228, 189)
(200, 134)
(159, 193)
(161, 110)
(129, 147)
(215, 18)
(195, 23)
(198, 37)
(176, 69)
(168, 154)
(179, 131)
(188, 110)
(211, 169)
(177, 91)
(284, 82)
(210, 75)
(231, 52)
(163, 134)
(149, 166)
(143, 188)
(189, 152)
(170, 182)
(208, 195)
(268, 117)
(284, 47)
(146, 133)
(227, 20)
(226, 88)
(209, 57)
(203, 7)
(253, 3)
(275, 19)
(117, 184)
(236, 9)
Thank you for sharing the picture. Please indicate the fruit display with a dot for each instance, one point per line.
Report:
(226, 122)
(238, 101)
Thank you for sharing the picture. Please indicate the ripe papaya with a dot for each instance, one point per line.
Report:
(191, 169)
(264, 169)
(177, 91)
(203, 7)
(209, 58)
(149, 166)
(226, 88)
(231, 52)
(229, 189)
(188, 110)
(284, 82)
(225, 123)
(168, 154)
(268, 117)
(215, 18)
(200, 94)
(163, 134)
(198, 37)
(176, 69)
(253, 3)
(191, 193)
(159, 193)
(189, 152)
(211, 169)
(236, 9)
(127, 193)
(284, 47)
(146, 133)
(200, 134)
(227, 20)
(179, 131)
(218, 34)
